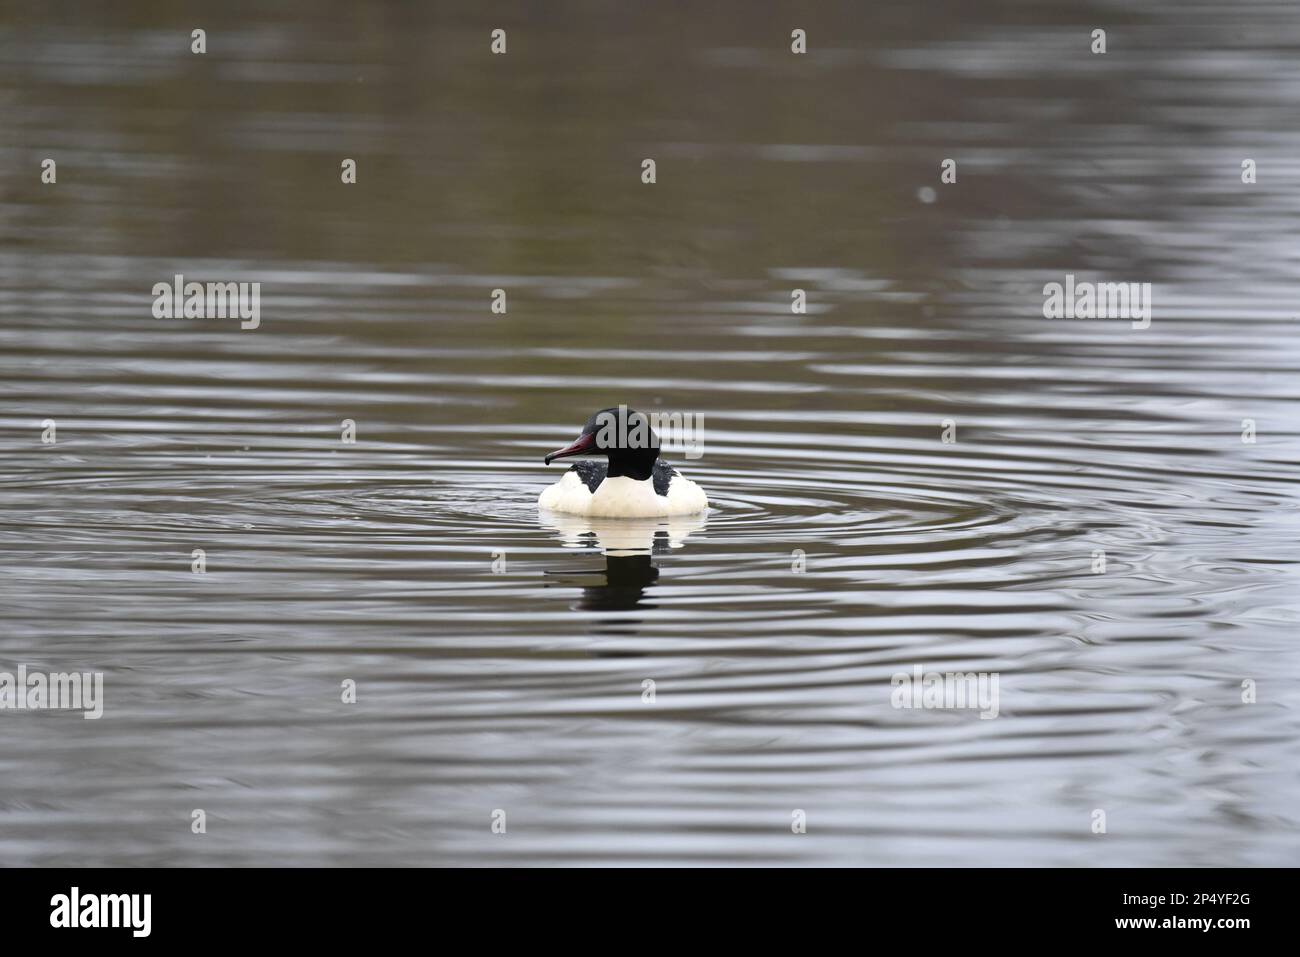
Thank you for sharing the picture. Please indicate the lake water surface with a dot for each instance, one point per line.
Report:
(500, 656)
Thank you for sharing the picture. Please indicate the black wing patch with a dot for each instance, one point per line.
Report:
(663, 474)
(591, 473)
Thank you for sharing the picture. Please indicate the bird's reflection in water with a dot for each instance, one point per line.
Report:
(629, 548)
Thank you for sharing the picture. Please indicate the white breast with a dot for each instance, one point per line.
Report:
(623, 497)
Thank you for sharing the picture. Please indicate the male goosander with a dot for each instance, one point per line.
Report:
(635, 484)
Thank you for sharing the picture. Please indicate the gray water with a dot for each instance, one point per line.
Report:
(500, 655)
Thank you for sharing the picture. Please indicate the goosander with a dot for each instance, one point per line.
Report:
(635, 483)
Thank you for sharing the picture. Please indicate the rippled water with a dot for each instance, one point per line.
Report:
(499, 655)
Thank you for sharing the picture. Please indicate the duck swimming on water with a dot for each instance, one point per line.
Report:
(635, 482)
